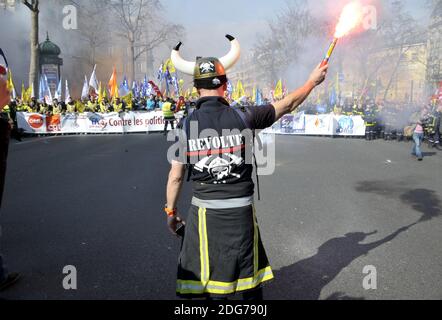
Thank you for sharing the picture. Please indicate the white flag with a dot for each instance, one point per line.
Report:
(93, 82)
(85, 91)
(47, 91)
(67, 94)
(58, 92)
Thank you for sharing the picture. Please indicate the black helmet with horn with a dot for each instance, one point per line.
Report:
(208, 73)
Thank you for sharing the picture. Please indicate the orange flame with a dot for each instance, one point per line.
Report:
(351, 17)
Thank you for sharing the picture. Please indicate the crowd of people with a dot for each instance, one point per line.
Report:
(383, 121)
(389, 121)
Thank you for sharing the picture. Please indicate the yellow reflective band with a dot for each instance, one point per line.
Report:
(204, 248)
(255, 243)
(216, 287)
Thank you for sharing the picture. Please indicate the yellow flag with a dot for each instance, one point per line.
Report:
(254, 94)
(23, 92)
(100, 94)
(239, 90)
(278, 90)
(169, 65)
(28, 94)
(194, 92)
(10, 83)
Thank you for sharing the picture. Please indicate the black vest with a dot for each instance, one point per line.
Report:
(221, 160)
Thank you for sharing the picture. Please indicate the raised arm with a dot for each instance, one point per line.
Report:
(296, 98)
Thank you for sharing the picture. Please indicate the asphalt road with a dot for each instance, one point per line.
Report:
(332, 207)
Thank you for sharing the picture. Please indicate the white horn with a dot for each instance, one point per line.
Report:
(182, 65)
(229, 60)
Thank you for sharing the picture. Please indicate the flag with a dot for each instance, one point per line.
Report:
(67, 93)
(100, 94)
(156, 89)
(229, 89)
(135, 89)
(58, 92)
(145, 87)
(41, 89)
(176, 85)
(160, 73)
(93, 83)
(10, 85)
(194, 92)
(239, 90)
(31, 91)
(104, 91)
(113, 86)
(254, 93)
(124, 88)
(23, 92)
(85, 91)
(168, 65)
(277, 94)
(259, 100)
(47, 90)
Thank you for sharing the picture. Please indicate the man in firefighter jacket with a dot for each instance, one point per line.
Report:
(222, 253)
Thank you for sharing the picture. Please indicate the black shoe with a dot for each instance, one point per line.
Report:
(10, 280)
(420, 159)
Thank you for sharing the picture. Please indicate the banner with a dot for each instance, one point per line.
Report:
(131, 122)
(319, 125)
(125, 122)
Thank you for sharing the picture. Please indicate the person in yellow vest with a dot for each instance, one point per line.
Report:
(43, 108)
(91, 105)
(104, 106)
(117, 105)
(80, 106)
(129, 106)
(70, 106)
(168, 114)
(56, 108)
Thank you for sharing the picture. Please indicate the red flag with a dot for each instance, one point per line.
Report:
(157, 90)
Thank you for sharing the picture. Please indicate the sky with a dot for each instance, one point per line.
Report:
(207, 21)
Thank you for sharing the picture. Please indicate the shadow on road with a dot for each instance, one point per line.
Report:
(305, 279)
(424, 201)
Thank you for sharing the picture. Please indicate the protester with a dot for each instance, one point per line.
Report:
(417, 120)
(6, 279)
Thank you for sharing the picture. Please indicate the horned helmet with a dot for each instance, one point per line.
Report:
(209, 72)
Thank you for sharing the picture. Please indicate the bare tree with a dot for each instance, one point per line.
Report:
(95, 25)
(401, 31)
(283, 43)
(33, 6)
(136, 19)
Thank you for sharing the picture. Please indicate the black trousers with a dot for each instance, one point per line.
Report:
(166, 124)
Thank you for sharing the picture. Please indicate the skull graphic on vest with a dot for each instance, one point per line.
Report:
(220, 168)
